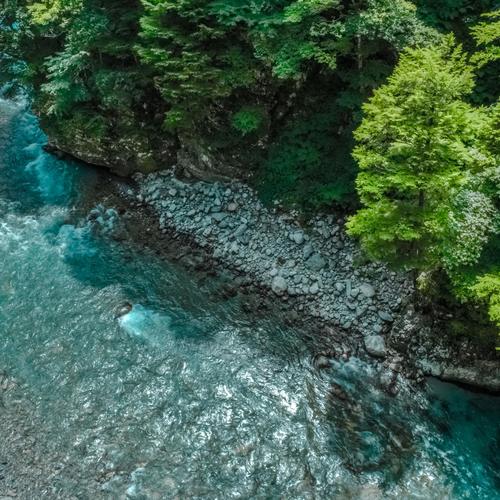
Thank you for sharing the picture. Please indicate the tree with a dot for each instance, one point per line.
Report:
(418, 146)
(487, 289)
(487, 37)
(195, 58)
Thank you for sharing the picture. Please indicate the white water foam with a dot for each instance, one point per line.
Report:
(144, 324)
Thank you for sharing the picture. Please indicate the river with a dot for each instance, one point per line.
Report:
(188, 395)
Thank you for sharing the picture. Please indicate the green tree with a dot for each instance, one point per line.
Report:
(417, 147)
(487, 37)
(487, 289)
(196, 59)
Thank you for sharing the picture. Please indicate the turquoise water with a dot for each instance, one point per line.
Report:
(187, 395)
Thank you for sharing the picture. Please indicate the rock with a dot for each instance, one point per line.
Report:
(279, 285)
(321, 362)
(219, 216)
(316, 262)
(232, 207)
(430, 367)
(314, 289)
(367, 290)
(124, 309)
(307, 251)
(337, 392)
(375, 346)
(241, 230)
(385, 316)
(484, 374)
(388, 380)
(297, 237)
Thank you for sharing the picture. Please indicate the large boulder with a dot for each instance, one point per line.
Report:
(316, 262)
(482, 373)
(279, 285)
(375, 346)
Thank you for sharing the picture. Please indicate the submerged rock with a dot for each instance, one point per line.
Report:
(321, 362)
(124, 309)
(336, 392)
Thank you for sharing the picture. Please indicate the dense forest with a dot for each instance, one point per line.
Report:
(385, 109)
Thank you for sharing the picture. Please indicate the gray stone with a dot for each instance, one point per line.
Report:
(232, 207)
(307, 251)
(316, 262)
(348, 286)
(482, 373)
(241, 230)
(279, 285)
(219, 216)
(375, 345)
(314, 289)
(297, 237)
(385, 316)
(367, 290)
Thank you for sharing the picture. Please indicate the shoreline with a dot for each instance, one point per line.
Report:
(316, 272)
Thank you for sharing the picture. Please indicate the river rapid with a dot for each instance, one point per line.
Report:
(188, 395)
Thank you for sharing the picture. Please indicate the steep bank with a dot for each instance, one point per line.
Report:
(318, 270)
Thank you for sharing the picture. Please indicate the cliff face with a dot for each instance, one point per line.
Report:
(127, 155)
(124, 154)
(207, 154)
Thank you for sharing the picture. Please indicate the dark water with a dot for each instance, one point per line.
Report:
(187, 396)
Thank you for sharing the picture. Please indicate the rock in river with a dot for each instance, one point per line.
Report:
(375, 345)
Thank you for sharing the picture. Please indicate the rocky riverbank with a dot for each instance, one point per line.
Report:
(319, 271)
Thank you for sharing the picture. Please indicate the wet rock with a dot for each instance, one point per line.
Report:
(375, 345)
(321, 362)
(485, 374)
(336, 392)
(388, 381)
(124, 309)
(232, 207)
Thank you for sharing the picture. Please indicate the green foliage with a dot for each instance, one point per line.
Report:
(453, 15)
(248, 119)
(415, 146)
(487, 289)
(487, 37)
(310, 166)
(195, 59)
